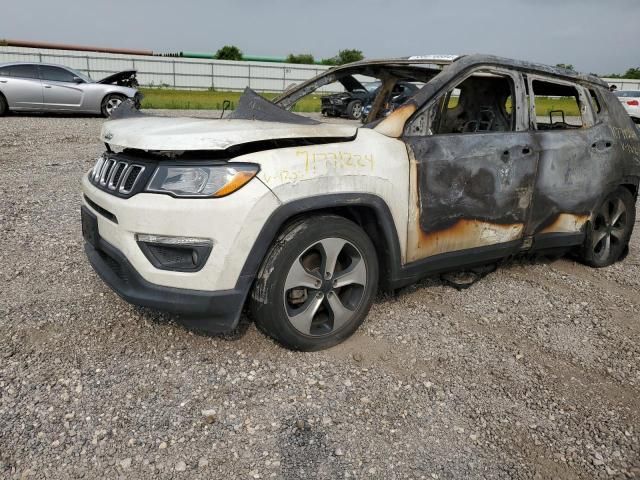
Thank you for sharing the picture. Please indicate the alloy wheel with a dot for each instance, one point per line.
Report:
(324, 287)
(609, 227)
(357, 110)
(112, 104)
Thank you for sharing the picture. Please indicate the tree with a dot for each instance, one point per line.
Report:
(344, 56)
(305, 58)
(229, 52)
(568, 66)
(348, 56)
(633, 73)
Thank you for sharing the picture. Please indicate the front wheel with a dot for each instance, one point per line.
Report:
(110, 103)
(354, 110)
(610, 229)
(316, 284)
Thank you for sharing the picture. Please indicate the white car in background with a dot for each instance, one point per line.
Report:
(630, 99)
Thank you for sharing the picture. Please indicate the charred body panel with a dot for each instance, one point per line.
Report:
(252, 106)
(579, 167)
(466, 200)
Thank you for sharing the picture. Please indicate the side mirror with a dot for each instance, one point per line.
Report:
(77, 80)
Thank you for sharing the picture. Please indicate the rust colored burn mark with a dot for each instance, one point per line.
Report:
(465, 234)
(393, 125)
(566, 223)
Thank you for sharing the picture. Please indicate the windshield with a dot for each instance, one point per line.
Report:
(84, 77)
(365, 91)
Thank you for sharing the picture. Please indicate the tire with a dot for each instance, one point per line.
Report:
(4, 108)
(354, 110)
(110, 103)
(324, 309)
(610, 229)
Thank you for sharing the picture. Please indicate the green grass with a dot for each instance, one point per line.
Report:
(212, 100)
(544, 105)
(209, 100)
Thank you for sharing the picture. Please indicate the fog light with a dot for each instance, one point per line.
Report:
(180, 254)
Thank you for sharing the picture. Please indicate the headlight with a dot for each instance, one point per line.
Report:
(201, 181)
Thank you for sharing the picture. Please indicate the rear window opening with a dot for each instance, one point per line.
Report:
(557, 106)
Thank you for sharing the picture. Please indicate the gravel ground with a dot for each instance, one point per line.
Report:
(533, 372)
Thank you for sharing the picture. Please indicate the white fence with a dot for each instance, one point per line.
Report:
(623, 83)
(193, 73)
(181, 73)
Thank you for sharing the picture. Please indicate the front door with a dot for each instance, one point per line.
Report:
(59, 89)
(473, 171)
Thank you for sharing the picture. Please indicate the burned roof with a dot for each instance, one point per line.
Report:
(472, 60)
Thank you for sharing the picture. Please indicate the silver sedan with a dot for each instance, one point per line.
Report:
(55, 88)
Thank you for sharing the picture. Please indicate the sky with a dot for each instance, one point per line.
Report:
(598, 36)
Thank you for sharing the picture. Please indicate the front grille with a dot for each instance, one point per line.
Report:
(132, 176)
(116, 175)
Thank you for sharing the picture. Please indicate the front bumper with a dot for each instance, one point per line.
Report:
(214, 312)
(137, 100)
(335, 109)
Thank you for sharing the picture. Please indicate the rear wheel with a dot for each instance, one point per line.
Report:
(317, 283)
(110, 103)
(610, 229)
(4, 108)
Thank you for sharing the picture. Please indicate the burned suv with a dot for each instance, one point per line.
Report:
(301, 222)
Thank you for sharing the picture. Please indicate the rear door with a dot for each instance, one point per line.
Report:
(59, 89)
(21, 86)
(473, 170)
(575, 160)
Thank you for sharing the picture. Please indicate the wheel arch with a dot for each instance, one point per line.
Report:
(6, 102)
(369, 211)
(631, 184)
(108, 93)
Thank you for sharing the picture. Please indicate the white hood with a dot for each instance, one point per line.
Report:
(165, 133)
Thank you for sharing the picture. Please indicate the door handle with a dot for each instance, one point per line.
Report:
(602, 144)
(47, 86)
(4, 81)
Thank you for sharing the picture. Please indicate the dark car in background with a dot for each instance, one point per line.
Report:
(356, 100)
(350, 102)
(402, 91)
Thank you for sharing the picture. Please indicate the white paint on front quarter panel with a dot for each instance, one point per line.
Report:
(371, 164)
(232, 222)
